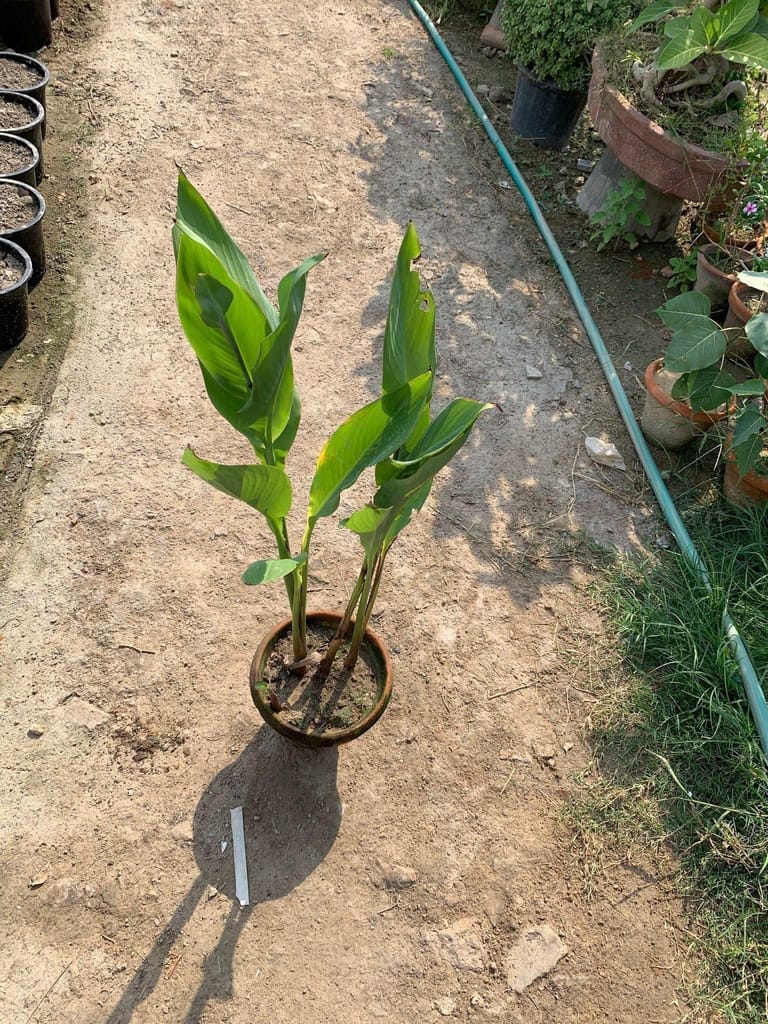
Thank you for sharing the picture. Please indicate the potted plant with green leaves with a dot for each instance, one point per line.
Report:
(319, 679)
(689, 388)
(551, 41)
(673, 105)
(702, 388)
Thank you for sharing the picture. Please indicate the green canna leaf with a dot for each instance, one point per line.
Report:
(369, 435)
(269, 569)
(265, 488)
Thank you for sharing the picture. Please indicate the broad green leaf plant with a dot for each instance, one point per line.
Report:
(712, 40)
(243, 345)
(697, 351)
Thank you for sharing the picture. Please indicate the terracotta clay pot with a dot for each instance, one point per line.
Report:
(739, 345)
(333, 737)
(713, 282)
(669, 164)
(667, 422)
(750, 489)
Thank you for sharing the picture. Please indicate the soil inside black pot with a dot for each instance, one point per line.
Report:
(17, 208)
(16, 75)
(11, 270)
(13, 157)
(13, 114)
(317, 704)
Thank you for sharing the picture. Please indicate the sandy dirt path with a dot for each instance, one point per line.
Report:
(391, 880)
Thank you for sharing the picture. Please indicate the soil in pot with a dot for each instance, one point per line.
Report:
(315, 703)
(23, 116)
(21, 73)
(21, 220)
(18, 159)
(17, 209)
(12, 269)
(13, 114)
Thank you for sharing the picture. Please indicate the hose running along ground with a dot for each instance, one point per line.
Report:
(737, 646)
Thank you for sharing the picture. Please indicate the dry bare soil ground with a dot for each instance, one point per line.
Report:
(393, 879)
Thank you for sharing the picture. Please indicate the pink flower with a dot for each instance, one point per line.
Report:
(750, 208)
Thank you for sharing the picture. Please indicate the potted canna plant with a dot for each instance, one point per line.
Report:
(317, 678)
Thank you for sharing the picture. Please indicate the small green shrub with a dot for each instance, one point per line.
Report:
(554, 38)
(625, 203)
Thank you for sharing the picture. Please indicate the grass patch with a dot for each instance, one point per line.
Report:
(683, 779)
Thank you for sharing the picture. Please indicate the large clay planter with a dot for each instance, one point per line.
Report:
(665, 421)
(330, 738)
(713, 282)
(670, 165)
(750, 489)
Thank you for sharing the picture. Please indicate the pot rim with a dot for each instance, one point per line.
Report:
(737, 304)
(31, 103)
(751, 478)
(21, 254)
(25, 58)
(703, 418)
(38, 196)
(35, 153)
(703, 251)
(332, 737)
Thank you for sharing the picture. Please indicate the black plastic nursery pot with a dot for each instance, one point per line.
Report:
(54, 9)
(543, 113)
(24, 116)
(21, 73)
(29, 232)
(18, 159)
(15, 274)
(26, 24)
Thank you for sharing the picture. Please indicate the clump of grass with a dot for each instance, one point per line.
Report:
(683, 775)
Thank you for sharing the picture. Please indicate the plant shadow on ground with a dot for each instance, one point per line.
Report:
(291, 813)
(683, 780)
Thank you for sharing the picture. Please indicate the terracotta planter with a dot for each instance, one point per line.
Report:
(715, 235)
(333, 737)
(750, 489)
(739, 345)
(713, 282)
(670, 165)
(667, 422)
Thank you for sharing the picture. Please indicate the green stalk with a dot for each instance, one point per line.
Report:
(364, 609)
(299, 606)
(333, 648)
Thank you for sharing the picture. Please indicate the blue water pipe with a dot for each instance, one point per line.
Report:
(737, 646)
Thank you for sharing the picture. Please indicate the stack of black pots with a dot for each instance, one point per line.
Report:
(25, 27)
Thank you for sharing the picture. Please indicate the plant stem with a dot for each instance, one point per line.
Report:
(333, 648)
(364, 609)
(299, 604)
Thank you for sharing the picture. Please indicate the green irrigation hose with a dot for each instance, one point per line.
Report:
(752, 686)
